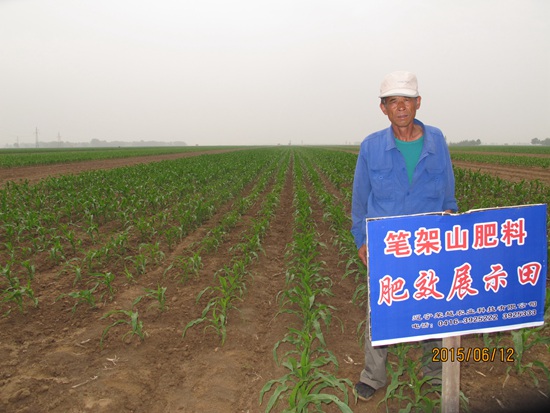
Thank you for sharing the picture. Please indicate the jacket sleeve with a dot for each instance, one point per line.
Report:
(449, 203)
(360, 197)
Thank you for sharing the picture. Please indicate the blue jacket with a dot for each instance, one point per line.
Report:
(381, 186)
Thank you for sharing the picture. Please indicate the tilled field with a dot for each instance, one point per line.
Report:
(52, 360)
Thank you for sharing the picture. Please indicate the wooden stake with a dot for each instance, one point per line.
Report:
(450, 398)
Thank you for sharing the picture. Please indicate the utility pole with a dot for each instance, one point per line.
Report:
(36, 136)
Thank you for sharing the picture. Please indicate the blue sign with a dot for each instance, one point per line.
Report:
(440, 275)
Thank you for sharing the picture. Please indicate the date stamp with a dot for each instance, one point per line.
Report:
(475, 354)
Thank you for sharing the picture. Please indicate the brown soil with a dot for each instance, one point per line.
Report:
(51, 360)
(508, 173)
(36, 173)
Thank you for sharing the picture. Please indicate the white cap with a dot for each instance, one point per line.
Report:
(399, 83)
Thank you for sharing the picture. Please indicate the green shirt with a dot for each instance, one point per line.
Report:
(411, 153)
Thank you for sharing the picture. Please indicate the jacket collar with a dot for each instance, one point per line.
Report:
(429, 146)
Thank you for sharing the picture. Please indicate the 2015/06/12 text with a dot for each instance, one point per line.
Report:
(476, 354)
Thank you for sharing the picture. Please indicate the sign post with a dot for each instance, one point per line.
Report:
(440, 276)
(450, 396)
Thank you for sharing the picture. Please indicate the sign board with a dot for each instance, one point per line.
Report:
(441, 275)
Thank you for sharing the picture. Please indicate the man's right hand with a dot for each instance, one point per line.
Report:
(362, 252)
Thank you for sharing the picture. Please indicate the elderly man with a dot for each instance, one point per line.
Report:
(402, 170)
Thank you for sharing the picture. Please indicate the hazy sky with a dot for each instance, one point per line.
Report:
(246, 72)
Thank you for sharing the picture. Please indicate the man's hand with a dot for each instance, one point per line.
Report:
(362, 252)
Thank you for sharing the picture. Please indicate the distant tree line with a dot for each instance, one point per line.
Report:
(537, 141)
(101, 143)
(95, 143)
(467, 143)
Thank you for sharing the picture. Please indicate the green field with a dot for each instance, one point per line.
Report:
(27, 157)
(84, 243)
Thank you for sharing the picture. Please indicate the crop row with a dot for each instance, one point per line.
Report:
(231, 280)
(98, 226)
(10, 158)
(511, 160)
(474, 190)
(513, 149)
(124, 220)
(310, 381)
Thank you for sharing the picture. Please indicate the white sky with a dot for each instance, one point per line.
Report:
(253, 72)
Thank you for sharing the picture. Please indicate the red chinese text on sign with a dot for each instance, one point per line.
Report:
(462, 283)
(391, 290)
(495, 279)
(427, 241)
(513, 230)
(425, 286)
(397, 243)
(529, 273)
(485, 235)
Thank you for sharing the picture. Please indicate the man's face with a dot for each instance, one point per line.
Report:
(400, 110)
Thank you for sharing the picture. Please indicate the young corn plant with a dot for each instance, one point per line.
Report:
(128, 274)
(56, 251)
(492, 340)
(231, 287)
(31, 269)
(10, 250)
(82, 297)
(106, 279)
(73, 265)
(154, 251)
(307, 379)
(305, 385)
(16, 293)
(159, 294)
(172, 235)
(524, 340)
(131, 318)
(72, 238)
(140, 263)
(192, 265)
(92, 230)
(408, 385)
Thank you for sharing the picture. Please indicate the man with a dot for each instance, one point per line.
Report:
(402, 170)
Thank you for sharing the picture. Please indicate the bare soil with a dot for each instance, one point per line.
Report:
(509, 173)
(51, 360)
(35, 173)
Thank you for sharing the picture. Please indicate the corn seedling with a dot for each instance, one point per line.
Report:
(523, 340)
(16, 293)
(128, 274)
(230, 288)
(132, 319)
(154, 251)
(11, 250)
(73, 265)
(73, 240)
(405, 385)
(82, 297)
(140, 263)
(159, 294)
(193, 264)
(92, 230)
(304, 385)
(56, 251)
(106, 279)
(31, 269)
